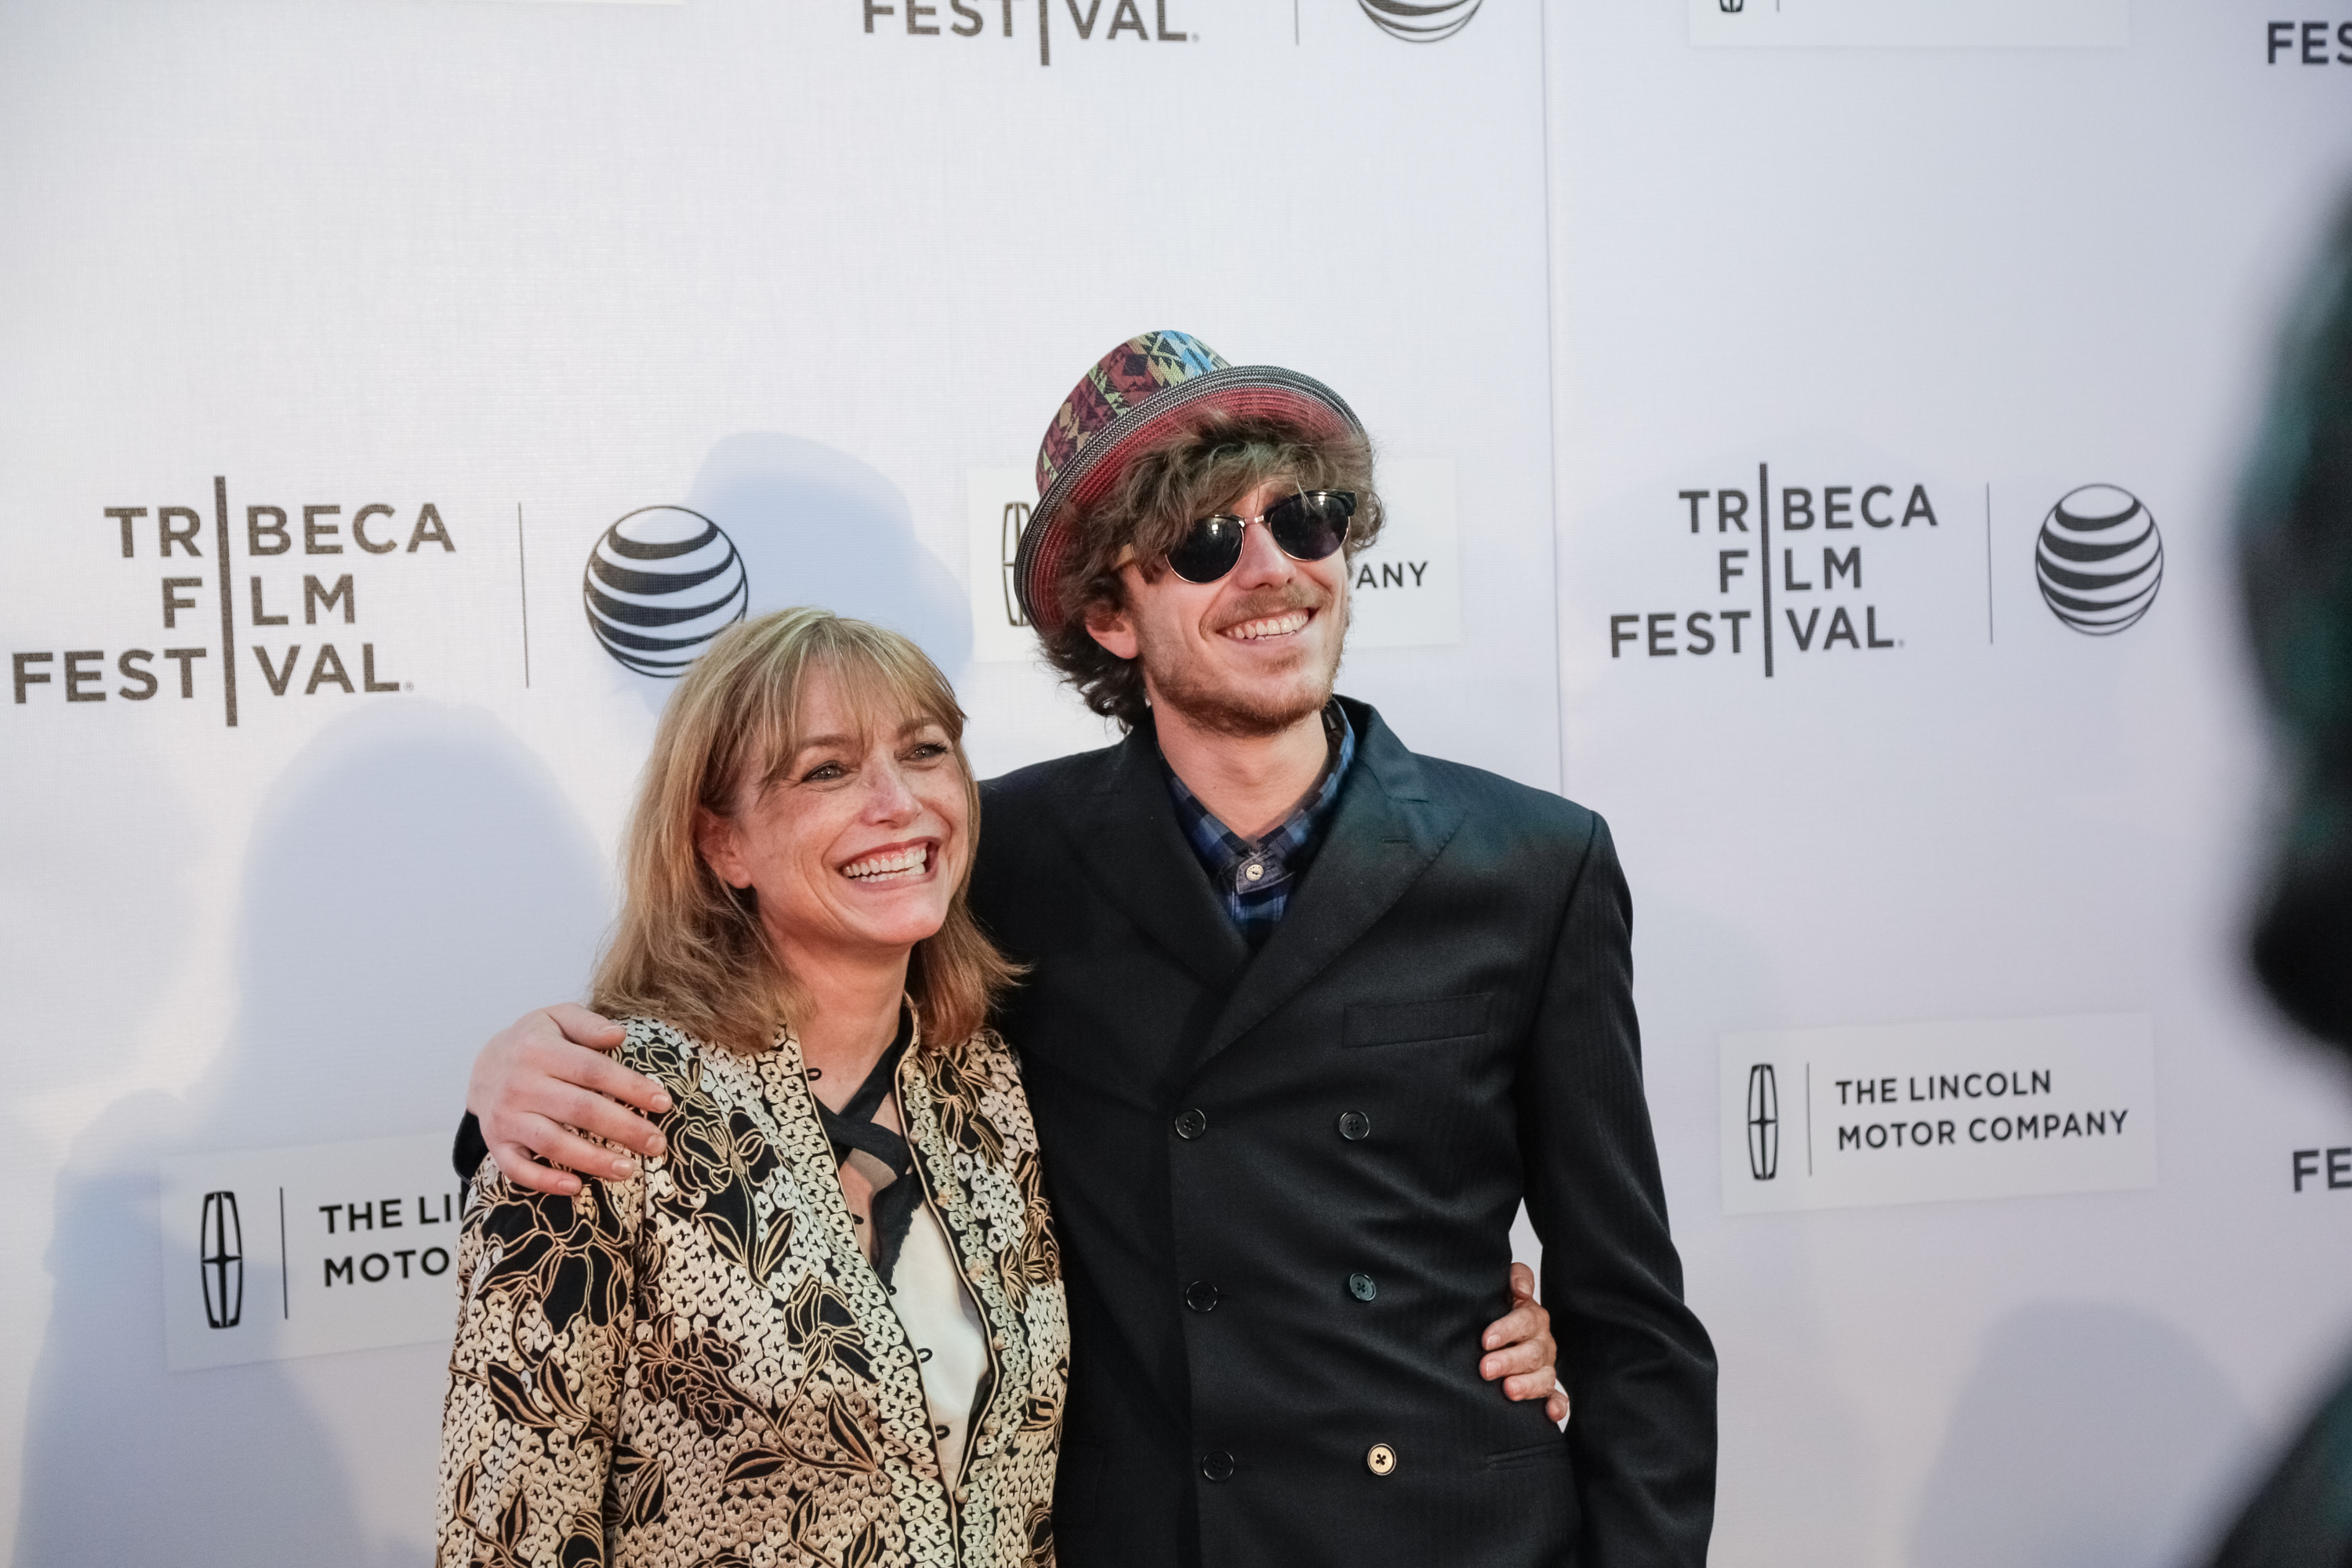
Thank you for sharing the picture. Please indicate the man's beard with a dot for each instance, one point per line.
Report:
(1243, 710)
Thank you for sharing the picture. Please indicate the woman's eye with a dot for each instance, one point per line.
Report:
(823, 772)
(928, 751)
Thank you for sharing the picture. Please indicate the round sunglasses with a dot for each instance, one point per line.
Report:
(1308, 526)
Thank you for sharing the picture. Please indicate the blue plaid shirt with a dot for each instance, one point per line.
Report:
(1254, 881)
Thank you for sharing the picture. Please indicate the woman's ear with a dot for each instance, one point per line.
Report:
(716, 837)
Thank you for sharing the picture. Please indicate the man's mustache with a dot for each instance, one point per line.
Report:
(1259, 605)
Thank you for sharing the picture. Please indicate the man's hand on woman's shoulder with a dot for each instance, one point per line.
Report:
(547, 1074)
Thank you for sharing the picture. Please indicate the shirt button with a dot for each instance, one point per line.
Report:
(1254, 870)
(1355, 1126)
(1202, 1296)
(1361, 1288)
(1191, 1124)
(1380, 1460)
(1216, 1464)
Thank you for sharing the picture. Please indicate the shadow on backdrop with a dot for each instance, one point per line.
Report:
(2088, 1436)
(818, 527)
(416, 878)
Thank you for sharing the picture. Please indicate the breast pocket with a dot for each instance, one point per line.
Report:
(1416, 1022)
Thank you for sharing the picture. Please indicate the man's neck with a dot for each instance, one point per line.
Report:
(1249, 783)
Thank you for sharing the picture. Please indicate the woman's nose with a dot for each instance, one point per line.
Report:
(887, 796)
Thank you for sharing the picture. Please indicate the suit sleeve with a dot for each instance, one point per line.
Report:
(528, 1465)
(1638, 1366)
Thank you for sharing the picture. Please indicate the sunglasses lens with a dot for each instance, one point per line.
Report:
(1309, 527)
(1208, 551)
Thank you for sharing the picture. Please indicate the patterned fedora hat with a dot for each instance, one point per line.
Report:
(1149, 390)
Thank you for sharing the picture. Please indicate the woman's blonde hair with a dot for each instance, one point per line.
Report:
(690, 949)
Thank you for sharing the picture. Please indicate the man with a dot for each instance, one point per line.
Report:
(1306, 1018)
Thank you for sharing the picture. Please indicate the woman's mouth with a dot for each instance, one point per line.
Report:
(903, 865)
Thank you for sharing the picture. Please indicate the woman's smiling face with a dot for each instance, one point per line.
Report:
(858, 845)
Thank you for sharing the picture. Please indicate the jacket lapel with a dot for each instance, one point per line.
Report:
(1383, 833)
(1126, 831)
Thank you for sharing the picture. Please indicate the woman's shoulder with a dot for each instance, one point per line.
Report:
(985, 1054)
(661, 1050)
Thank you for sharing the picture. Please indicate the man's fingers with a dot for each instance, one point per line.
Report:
(1530, 1384)
(559, 1094)
(1523, 1323)
(1523, 1283)
(515, 1161)
(564, 1062)
(560, 1146)
(595, 1116)
(1528, 1356)
(1556, 1408)
(582, 1027)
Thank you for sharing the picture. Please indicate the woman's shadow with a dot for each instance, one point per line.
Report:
(413, 873)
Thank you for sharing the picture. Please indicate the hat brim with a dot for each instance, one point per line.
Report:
(1243, 391)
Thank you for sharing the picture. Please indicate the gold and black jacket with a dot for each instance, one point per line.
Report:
(698, 1365)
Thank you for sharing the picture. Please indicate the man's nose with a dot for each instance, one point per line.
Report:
(1263, 564)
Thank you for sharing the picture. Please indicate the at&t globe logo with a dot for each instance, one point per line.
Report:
(2099, 560)
(1421, 21)
(660, 584)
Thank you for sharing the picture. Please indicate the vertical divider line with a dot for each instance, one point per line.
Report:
(1809, 1118)
(523, 582)
(285, 1264)
(1988, 563)
(228, 620)
(1552, 384)
(1764, 547)
(1044, 46)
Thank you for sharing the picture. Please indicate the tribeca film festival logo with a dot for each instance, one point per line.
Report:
(194, 568)
(1817, 579)
(2099, 560)
(1105, 21)
(660, 583)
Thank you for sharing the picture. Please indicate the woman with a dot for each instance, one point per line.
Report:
(826, 1325)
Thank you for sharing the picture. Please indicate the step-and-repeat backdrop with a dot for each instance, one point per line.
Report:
(1809, 428)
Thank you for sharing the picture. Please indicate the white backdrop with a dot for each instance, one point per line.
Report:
(537, 266)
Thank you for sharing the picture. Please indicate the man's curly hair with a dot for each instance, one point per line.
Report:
(1205, 469)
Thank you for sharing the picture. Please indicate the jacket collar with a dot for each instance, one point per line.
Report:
(1383, 833)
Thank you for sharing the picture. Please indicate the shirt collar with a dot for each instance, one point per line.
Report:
(1220, 848)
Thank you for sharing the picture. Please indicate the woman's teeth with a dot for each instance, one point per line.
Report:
(897, 866)
(1268, 627)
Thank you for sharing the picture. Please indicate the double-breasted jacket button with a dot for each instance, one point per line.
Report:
(1216, 1464)
(1202, 1296)
(1355, 1126)
(1191, 1124)
(1380, 1460)
(1361, 1288)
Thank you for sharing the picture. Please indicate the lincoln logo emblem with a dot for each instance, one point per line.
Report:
(220, 1247)
(1016, 517)
(1763, 1123)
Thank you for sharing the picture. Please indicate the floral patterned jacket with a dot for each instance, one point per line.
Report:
(697, 1365)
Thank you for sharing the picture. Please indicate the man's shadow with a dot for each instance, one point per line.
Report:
(416, 877)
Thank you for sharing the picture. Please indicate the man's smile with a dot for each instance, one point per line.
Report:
(1282, 626)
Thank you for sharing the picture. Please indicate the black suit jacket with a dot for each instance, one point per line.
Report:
(1258, 1299)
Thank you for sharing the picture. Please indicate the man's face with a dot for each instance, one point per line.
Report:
(1249, 653)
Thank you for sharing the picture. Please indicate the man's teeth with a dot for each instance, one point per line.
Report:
(1268, 627)
(897, 865)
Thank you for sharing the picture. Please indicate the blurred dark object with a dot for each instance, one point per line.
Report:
(2295, 556)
